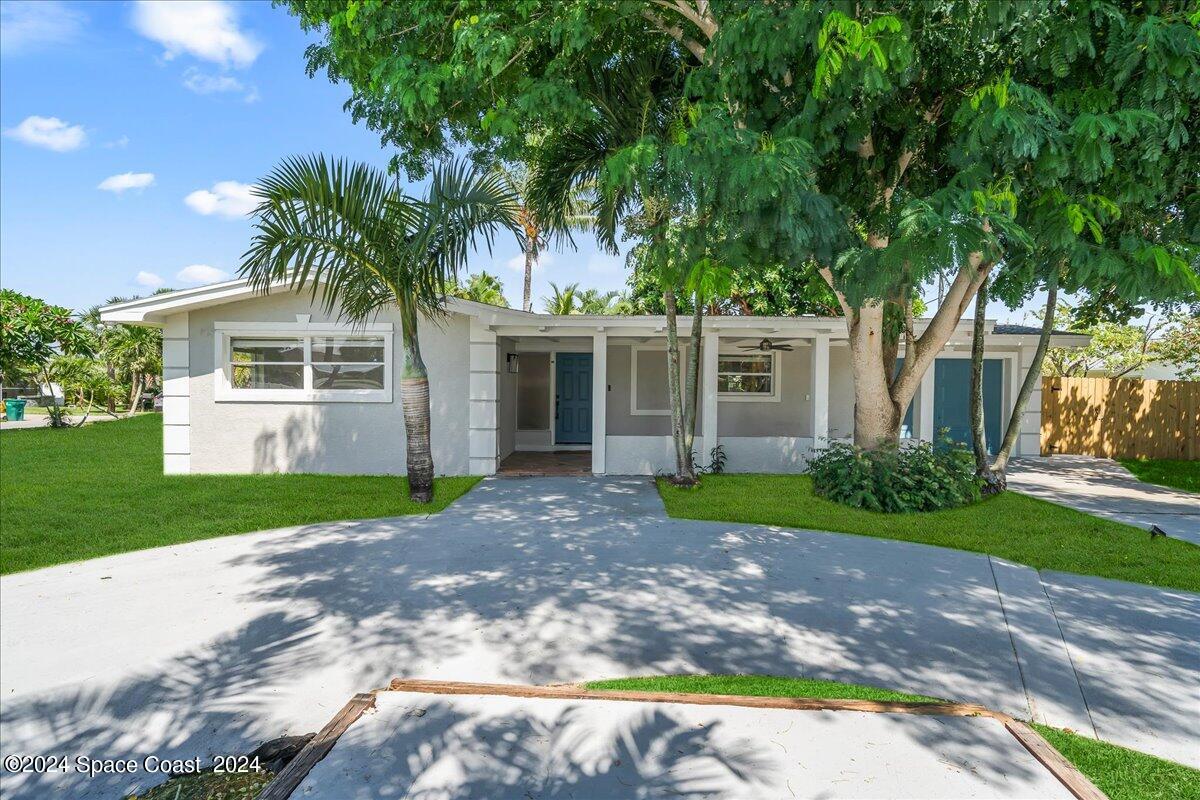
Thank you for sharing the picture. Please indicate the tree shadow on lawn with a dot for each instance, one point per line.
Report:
(536, 582)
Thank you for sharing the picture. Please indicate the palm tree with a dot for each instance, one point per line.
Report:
(593, 301)
(620, 148)
(482, 288)
(563, 301)
(345, 231)
(536, 231)
(135, 351)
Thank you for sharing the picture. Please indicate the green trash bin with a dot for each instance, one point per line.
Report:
(15, 409)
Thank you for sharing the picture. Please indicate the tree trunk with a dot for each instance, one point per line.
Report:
(692, 384)
(875, 420)
(530, 258)
(414, 398)
(111, 405)
(1032, 378)
(685, 472)
(978, 431)
(135, 394)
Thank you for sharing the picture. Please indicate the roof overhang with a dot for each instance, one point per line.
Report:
(154, 310)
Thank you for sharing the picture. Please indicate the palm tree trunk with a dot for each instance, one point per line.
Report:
(530, 258)
(135, 394)
(414, 398)
(685, 473)
(111, 405)
(1032, 377)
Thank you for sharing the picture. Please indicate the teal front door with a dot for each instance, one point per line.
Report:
(952, 399)
(573, 398)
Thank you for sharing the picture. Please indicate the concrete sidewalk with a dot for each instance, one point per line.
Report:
(520, 748)
(215, 646)
(1103, 487)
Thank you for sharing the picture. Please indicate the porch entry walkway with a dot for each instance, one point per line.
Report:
(549, 580)
(525, 464)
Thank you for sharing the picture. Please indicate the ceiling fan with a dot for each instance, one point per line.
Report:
(766, 345)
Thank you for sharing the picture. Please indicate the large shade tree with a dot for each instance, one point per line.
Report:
(346, 233)
(891, 142)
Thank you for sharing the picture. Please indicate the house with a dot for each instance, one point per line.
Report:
(266, 383)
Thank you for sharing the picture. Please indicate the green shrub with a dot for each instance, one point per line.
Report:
(916, 477)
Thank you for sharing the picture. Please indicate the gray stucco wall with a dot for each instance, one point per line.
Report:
(791, 415)
(324, 437)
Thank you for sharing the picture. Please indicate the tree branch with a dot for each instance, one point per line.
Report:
(676, 33)
(827, 274)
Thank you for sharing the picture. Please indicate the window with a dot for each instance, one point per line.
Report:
(343, 363)
(327, 365)
(749, 376)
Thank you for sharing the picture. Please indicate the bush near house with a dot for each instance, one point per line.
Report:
(892, 479)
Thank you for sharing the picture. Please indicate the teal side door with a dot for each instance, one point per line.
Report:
(952, 398)
(573, 398)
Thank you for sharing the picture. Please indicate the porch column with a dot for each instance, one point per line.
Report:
(599, 398)
(820, 390)
(484, 399)
(924, 415)
(710, 350)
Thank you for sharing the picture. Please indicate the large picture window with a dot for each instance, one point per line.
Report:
(747, 376)
(323, 366)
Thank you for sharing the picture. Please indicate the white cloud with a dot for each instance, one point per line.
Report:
(126, 181)
(26, 25)
(206, 29)
(202, 83)
(148, 279)
(200, 273)
(122, 141)
(226, 198)
(517, 262)
(49, 132)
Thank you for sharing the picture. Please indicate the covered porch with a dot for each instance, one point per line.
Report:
(590, 394)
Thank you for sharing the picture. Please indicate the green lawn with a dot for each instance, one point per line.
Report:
(1165, 472)
(759, 686)
(1122, 774)
(77, 493)
(1012, 526)
(1125, 774)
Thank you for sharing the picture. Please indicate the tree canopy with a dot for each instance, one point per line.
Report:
(890, 142)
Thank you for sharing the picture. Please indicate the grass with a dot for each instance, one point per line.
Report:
(1166, 472)
(759, 686)
(1011, 526)
(1125, 774)
(77, 493)
(1122, 774)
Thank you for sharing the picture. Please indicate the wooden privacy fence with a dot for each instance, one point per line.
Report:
(1120, 418)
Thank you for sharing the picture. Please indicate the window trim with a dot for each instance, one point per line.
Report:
(224, 391)
(751, 397)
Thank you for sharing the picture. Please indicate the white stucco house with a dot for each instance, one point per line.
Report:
(269, 383)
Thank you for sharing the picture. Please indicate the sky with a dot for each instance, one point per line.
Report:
(131, 133)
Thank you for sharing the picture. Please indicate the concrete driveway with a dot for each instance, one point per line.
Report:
(1103, 487)
(214, 646)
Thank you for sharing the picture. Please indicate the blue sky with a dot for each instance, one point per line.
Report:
(132, 132)
(203, 100)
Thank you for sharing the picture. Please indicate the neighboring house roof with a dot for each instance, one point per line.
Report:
(155, 309)
(1026, 330)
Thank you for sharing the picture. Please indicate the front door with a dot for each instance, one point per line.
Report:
(573, 398)
(952, 399)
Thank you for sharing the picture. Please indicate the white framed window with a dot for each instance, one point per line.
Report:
(303, 362)
(748, 376)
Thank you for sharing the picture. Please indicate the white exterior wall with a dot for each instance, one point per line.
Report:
(341, 437)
